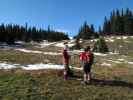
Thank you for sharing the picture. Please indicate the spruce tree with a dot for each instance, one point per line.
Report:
(87, 32)
(100, 46)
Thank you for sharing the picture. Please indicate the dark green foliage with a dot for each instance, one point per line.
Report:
(87, 32)
(100, 46)
(119, 23)
(11, 33)
(77, 45)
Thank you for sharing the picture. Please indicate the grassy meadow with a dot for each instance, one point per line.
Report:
(110, 82)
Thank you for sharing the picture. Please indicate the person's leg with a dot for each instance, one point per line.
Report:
(89, 76)
(89, 72)
(85, 72)
(85, 77)
(65, 75)
(65, 72)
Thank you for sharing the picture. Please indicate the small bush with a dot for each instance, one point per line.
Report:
(100, 46)
(77, 45)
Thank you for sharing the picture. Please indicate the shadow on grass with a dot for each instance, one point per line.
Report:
(100, 82)
(112, 83)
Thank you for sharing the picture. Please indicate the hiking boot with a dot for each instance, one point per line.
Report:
(84, 82)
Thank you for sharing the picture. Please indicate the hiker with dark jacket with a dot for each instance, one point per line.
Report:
(86, 58)
(66, 58)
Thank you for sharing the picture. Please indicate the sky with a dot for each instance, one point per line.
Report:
(61, 15)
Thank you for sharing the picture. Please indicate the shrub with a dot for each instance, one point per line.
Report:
(100, 46)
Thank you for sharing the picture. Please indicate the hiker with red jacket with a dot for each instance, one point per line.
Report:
(66, 58)
(86, 58)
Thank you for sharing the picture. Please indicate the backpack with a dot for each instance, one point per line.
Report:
(85, 56)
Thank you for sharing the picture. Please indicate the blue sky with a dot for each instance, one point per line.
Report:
(62, 15)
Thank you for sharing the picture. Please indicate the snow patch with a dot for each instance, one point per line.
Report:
(40, 66)
(109, 40)
(130, 63)
(38, 52)
(51, 53)
(131, 36)
(105, 64)
(45, 43)
(120, 46)
(118, 62)
(120, 59)
(28, 51)
(43, 66)
(99, 54)
(124, 37)
(5, 65)
(62, 44)
(113, 53)
(20, 42)
(118, 38)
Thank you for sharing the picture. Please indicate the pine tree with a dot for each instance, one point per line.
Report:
(106, 27)
(11, 32)
(100, 46)
(87, 32)
(119, 23)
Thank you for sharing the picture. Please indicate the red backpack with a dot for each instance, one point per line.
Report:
(86, 56)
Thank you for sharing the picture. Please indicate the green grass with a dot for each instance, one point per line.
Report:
(10, 55)
(18, 86)
(109, 84)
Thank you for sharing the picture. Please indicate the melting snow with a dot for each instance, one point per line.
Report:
(45, 44)
(43, 66)
(120, 59)
(118, 38)
(59, 45)
(109, 40)
(113, 53)
(124, 37)
(28, 51)
(62, 44)
(51, 53)
(130, 63)
(105, 64)
(114, 61)
(38, 52)
(5, 65)
(34, 66)
(99, 54)
(120, 46)
(131, 36)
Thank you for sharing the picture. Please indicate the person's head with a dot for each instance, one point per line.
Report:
(66, 47)
(87, 48)
(82, 50)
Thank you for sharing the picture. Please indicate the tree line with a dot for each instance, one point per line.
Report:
(87, 31)
(10, 33)
(120, 22)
